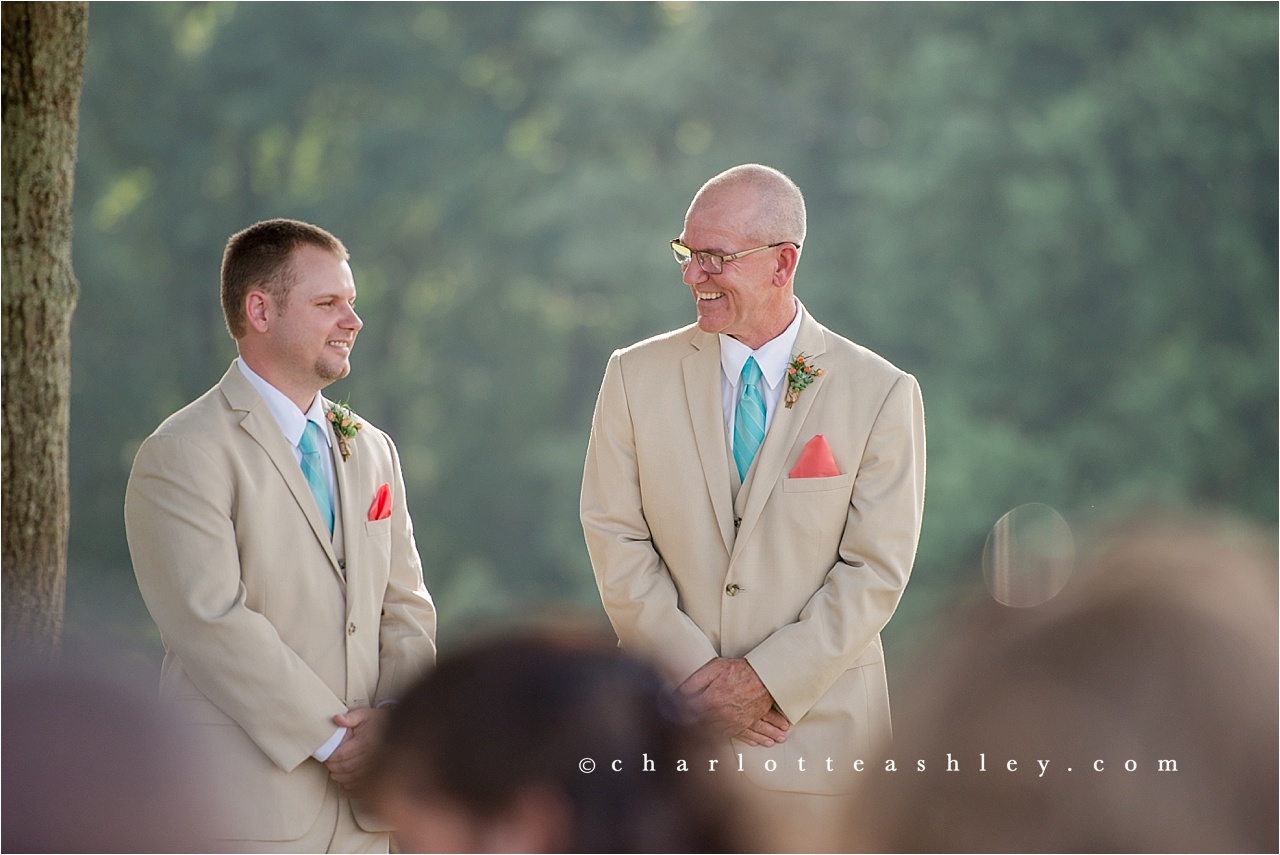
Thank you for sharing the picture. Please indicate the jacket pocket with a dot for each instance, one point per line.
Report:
(817, 485)
(378, 528)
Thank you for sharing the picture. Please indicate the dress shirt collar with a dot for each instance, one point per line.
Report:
(772, 356)
(292, 421)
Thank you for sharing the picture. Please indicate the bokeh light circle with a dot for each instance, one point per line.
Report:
(1029, 556)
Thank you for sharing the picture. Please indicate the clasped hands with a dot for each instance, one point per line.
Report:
(729, 695)
(354, 754)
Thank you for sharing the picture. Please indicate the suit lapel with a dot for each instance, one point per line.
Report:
(702, 390)
(348, 505)
(782, 434)
(259, 424)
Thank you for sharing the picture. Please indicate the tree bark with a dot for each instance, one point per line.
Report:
(43, 66)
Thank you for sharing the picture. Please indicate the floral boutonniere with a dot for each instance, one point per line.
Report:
(345, 425)
(800, 373)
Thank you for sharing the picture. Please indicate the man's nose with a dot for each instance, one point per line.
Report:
(693, 273)
(352, 321)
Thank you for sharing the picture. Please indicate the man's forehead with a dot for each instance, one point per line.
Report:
(715, 233)
(318, 273)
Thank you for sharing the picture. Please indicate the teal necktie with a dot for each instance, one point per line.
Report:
(313, 468)
(748, 420)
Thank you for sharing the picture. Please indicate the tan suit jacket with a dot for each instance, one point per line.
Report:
(798, 575)
(267, 633)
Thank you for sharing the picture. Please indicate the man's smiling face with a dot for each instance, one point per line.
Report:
(744, 300)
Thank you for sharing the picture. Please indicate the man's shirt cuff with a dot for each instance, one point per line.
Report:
(324, 752)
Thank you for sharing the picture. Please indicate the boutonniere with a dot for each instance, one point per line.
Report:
(345, 425)
(800, 373)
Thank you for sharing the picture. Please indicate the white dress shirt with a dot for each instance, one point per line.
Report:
(293, 422)
(773, 357)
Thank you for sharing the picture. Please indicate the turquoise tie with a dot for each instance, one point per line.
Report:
(748, 420)
(313, 469)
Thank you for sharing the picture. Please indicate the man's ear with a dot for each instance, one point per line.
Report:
(259, 311)
(785, 268)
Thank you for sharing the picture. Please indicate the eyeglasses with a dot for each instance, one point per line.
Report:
(712, 263)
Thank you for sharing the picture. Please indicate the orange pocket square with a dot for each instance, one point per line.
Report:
(816, 460)
(381, 507)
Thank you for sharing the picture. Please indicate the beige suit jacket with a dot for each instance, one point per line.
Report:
(800, 576)
(267, 634)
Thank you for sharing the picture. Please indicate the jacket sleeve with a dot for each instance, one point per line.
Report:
(179, 508)
(636, 587)
(408, 629)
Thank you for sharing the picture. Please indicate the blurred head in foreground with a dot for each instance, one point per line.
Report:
(1149, 686)
(92, 763)
(511, 746)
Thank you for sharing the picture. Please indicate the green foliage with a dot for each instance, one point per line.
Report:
(1060, 217)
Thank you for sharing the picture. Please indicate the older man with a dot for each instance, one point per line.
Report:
(752, 500)
(272, 544)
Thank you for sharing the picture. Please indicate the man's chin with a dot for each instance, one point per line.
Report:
(710, 324)
(329, 371)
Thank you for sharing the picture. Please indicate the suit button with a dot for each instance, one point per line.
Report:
(732, 590)
(737, 521)
(351, 629)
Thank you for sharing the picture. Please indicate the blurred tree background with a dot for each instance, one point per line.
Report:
(1062, 218)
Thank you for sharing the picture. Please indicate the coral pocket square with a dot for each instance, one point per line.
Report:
(816, 460)
(381, 507)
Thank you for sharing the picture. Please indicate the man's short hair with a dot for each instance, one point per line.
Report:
(781, 211)
(258, 258)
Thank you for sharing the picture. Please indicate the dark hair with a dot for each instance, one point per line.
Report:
(258, 257)
(525, 710)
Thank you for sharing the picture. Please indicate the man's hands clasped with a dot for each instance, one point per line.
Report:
(729, 695)
(353, 756)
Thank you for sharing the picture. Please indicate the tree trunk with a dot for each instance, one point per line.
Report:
(44, 47)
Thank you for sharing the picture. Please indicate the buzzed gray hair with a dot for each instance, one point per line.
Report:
(781, 212)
